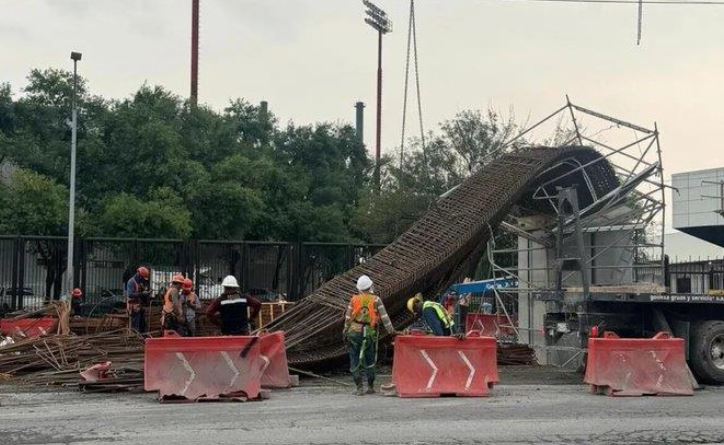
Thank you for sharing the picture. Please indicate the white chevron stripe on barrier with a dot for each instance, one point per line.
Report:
(434, 369)
(470, 367)
(187, 366)
(230, 363)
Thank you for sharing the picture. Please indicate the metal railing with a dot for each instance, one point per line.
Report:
(33, 268)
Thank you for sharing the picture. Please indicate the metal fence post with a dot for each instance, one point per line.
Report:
(75, 279)
(350, 256)
(288, 288)
(20, 289)
(244, 269)
(196, 261)
(82, 264)
(300, 271)
(15, 271)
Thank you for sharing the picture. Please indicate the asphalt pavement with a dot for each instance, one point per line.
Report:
(318, 414)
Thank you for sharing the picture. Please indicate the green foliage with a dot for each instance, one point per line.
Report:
(164, 212)
(151, 165)
(32, 203)
(463, 145)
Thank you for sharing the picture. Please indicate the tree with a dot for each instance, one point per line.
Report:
(34, 204)
(463, 145)
(151, 165)
(162, 214)
(474, 136)
(7, 111)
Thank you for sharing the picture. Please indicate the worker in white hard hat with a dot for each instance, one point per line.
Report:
(361, 322)
(233, 310)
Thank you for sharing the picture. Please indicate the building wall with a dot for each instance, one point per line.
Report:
(535, 265)
(682, 247)
(690, 208)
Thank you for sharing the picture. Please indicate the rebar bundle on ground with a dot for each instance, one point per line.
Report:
(59, 359)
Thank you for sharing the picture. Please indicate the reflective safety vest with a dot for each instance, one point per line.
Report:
(442, 314)
(234, 316)
(168, 301)
(364, 309)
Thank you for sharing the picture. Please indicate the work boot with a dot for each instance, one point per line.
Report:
(371, 387)
(360, 390)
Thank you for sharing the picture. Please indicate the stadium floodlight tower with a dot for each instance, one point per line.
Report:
(378, 19)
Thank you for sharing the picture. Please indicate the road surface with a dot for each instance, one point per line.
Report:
(514, 414)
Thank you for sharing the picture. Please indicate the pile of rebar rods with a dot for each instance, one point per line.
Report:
(59, 359)
(435, 252)
(516, 354)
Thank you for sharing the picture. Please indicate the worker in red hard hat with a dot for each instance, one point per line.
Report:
(173, 317)
(138, 296)
(75, 302)
(190, 302)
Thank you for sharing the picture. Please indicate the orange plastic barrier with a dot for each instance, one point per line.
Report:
(29, 327)
(490, 325)
(203, 367)
(426, 366)
(275, 370)
(637, 366)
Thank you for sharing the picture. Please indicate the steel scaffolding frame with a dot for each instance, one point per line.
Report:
(639, 199)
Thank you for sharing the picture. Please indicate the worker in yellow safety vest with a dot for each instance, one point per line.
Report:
(437, 319)
(364, 312)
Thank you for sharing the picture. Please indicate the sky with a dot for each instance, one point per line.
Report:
(313, 59)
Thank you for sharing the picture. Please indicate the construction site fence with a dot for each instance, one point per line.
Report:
(33, 269)
(697, 276)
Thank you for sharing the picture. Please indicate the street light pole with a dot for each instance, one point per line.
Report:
(377, 19)
(378, 137)
(75, 56)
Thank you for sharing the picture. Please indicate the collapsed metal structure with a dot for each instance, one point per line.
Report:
(449, 240)
(631, 208)
(581, 245)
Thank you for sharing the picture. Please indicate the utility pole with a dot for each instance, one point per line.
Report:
(75, 57)
(377, 19)
(194, 52)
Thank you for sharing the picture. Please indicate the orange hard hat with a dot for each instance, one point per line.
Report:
(178, 278)
(77, 293)
(188, 284)
(143, 272)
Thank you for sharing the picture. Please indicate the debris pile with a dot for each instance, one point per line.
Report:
(59, 360)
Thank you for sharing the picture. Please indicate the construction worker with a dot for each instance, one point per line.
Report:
(77, 299)
(361, 321)
(173, 317)
(437, 319)
(190, 302)
(232, 311)
(138, 294)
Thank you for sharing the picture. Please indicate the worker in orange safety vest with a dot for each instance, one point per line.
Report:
(364, 312)
(172, 314)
